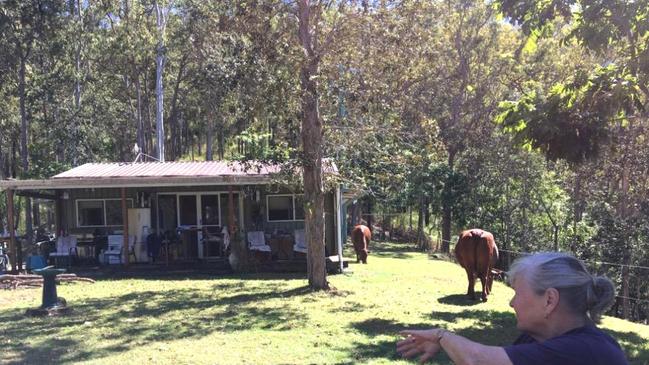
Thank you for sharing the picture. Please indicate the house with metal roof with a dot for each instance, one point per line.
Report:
(188, 210)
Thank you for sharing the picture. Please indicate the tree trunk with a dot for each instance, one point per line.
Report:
(12, 233)
(36, 211)
(24, 155)
(125, 243)
(623, 212)
(173, 115)
(426, 211)
(312, 163)
(447, 213)
(160, 62)
(140, 124)
(148, 133)
(420, 224)
(75, 10)
(355, 214)
(370, 221)
(221, 147)
(209, 149)
(555, 224)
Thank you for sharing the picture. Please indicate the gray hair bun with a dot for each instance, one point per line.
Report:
(600, 297)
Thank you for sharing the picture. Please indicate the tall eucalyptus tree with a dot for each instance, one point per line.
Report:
(602, 112)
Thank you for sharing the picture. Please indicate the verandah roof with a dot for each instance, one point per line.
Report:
(137, 174)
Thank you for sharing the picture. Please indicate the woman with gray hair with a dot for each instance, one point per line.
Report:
(557, 303)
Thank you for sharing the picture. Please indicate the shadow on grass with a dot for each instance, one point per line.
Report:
(384, 349)
(459, 299)
(352, 307)
(488, 327)
(632, 344)
(195, 275)
(494, 328)
(136, 319)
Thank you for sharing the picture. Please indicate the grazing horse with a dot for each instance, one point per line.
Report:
(477, 253)
(361, 236)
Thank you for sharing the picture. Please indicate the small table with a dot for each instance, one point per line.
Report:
(86, 249)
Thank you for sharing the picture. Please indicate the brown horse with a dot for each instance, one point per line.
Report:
(361, 236)
(477, 253)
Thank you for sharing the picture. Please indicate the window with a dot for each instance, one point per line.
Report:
(90, 213)
(100, 212)
(285, 207)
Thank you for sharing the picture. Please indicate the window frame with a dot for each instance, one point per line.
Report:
(293, 200)
(103, 203)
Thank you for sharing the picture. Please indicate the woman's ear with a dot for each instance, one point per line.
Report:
(551, 301)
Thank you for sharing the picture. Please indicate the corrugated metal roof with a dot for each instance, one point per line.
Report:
(175, 169)
(165, 169)
(124, 174)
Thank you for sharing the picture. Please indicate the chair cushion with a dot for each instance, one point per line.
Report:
(264, 248)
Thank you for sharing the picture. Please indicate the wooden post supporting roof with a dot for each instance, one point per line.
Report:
(125, 248)
(12, 233)
(339, 226)
(58, 213)
(232, 227)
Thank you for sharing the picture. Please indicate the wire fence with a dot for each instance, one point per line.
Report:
(640, 267)
(589, 263)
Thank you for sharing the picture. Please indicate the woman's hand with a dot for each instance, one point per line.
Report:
(424, 342)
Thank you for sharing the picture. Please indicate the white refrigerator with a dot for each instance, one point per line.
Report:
(139, 225)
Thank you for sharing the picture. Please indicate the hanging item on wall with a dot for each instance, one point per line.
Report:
(251, 192)
(142, 199)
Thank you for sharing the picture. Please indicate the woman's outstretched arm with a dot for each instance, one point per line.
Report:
(460, 349)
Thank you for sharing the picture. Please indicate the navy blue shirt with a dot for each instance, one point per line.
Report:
(586, 345)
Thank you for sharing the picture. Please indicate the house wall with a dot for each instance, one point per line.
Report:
(254, 212)
(256, 217)
(69, 207)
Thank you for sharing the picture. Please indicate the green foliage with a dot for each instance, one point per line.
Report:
(259, 149)
(573, 121)
(588, 118)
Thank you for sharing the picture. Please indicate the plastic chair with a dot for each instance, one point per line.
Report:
(66, 248)
(300, 242)
(114, 253)
(35, 262)
(257, 241)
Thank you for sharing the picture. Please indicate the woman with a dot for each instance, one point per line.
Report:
(557, 303)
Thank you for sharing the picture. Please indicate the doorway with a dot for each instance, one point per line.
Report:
(200, 219)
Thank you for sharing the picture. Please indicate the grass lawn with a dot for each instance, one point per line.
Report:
(266, 318)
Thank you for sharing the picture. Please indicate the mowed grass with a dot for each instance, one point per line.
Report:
(266, 318)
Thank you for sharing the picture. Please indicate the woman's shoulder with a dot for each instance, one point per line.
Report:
(591, 341)
(584, 345)
(589, 333)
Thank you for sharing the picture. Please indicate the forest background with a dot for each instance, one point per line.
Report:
(528, 119)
